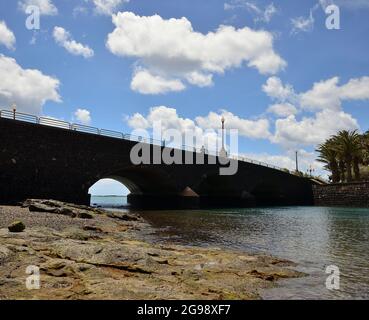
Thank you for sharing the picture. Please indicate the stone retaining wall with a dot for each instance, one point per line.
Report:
(355, 194)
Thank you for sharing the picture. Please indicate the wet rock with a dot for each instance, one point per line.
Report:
(64, 211)
(272, 274)
(58, 207)
(5, 253)
(16, 226)
(84, 215)
(92, 228)
(122, 216)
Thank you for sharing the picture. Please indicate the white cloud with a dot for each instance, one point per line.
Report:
(303, 24)
(328, 94)
(64, 39)
(281, 161)
(169, 119)
(264, 15)
(269, 12)
(171, 49)
(275, 89)
(146, 83)
(108, 7)
(7, 37)
(257, 129)
(325, 94)
(324, 99)
(287, 160)
(79, 10)
(355, 89)
(167, 116)
(28, 88)
(290, 132)
(200, 79)
(83, 116)
(205, 129)
(46, 7)
(282, 109)
(138, 121)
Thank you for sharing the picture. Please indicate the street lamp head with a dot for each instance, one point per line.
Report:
(222, 119)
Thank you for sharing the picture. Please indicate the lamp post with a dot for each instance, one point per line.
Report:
(223, 152)
(223, 120)
(14, 108)
(311, 170)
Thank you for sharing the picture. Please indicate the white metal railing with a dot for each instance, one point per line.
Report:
(47, 121)
(85, 129)
(112, 134)
(18, 116)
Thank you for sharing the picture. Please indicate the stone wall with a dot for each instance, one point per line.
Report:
(355, 194)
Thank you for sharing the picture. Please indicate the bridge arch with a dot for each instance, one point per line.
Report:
(143, 182)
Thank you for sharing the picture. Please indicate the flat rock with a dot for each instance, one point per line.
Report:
(58, 207)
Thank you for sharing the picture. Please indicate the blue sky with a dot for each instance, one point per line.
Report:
(279, 76)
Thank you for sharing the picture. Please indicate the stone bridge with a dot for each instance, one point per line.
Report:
(39, 160)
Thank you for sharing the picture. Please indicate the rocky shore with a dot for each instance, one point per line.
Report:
(88, 253)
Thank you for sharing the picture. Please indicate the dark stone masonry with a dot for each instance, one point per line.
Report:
(355, 194)
(42, 162)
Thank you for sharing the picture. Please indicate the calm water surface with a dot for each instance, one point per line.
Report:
(313, 237)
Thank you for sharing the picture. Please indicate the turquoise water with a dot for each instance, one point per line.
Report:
(313, 237)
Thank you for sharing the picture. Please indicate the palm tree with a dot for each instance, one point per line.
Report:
(342, 168)
(328, 155)
(343, 154)
(349, 150)
(365, 147)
